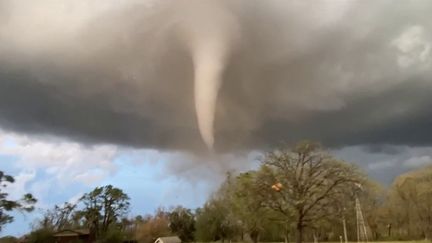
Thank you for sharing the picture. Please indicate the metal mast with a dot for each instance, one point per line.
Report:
(362, 235)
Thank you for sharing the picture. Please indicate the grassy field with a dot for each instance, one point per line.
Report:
(408, 241)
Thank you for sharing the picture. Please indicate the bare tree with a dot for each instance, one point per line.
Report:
(308, 182)
(58, 218)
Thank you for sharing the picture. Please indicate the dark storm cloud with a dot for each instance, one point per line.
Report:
(383, 148)
(344, 73)
(385, 167)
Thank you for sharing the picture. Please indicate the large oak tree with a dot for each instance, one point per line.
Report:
(309, 181)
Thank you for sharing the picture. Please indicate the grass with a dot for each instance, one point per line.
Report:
(407, 241)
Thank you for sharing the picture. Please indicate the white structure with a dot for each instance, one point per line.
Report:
(171, 239)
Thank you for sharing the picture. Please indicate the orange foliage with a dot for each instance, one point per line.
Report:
(153, 227)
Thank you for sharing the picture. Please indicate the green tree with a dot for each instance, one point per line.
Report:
(215, 222)
(113, 235)
(8, 239)
(103, 207)
(246, 203)
(410, 204)
(182, 223)
(26, 204)
(342, 211)
(309, 181)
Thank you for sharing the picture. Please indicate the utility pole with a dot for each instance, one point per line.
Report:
(344, 229)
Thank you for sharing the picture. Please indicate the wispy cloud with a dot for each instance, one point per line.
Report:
(64, 160)
(382, 165)
(21, 185)
(417, 162)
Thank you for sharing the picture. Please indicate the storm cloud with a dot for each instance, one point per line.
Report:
(340, 72)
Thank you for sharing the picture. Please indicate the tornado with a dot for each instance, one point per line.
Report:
(211, 32)
(209, 63)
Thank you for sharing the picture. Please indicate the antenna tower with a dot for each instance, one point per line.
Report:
(362, 234)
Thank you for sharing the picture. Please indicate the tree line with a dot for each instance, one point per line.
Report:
(299, 194)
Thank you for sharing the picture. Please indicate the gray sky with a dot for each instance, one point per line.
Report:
(345, 73)
(341, 72)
